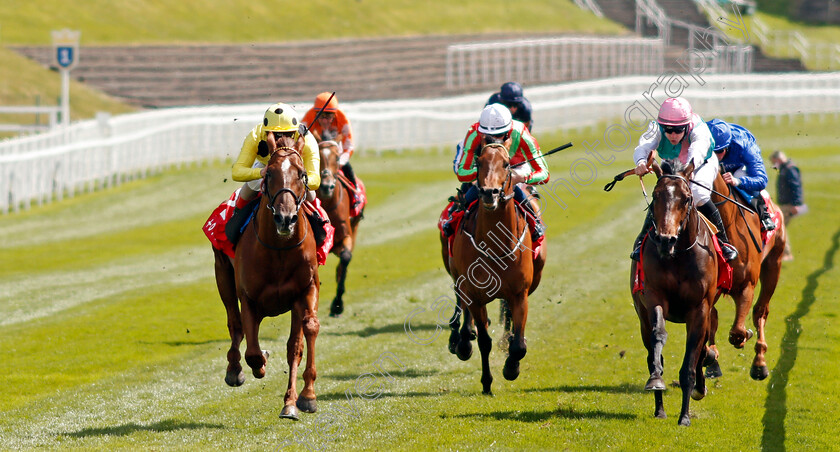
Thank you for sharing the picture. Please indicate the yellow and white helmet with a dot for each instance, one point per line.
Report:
(281, 117)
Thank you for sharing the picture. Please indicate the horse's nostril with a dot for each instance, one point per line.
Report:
(293, 219)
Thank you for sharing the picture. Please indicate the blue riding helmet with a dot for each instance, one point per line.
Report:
(511, 92)
(721, 133)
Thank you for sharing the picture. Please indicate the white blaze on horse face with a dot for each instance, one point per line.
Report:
(285, 165)
(670, 221)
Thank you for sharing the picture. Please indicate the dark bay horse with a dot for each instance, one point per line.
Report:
(493, 260)
(336, 199)
(274, 271)
(680, 284)
(752, 265)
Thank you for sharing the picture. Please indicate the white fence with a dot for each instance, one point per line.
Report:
(551, 60)
(105, 151)
(50, 112)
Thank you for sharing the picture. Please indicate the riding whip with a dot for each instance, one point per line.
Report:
(557, 149)
(304, 129)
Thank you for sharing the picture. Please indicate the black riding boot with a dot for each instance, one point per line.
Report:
(318, 230)
(637, 245)
(761, 208)
(348, 171)
(524, 200)
(234, 226)
(711, 212)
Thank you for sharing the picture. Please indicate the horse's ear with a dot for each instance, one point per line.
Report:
(689, 170)
(656, 169)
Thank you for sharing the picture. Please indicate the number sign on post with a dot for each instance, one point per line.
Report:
(66, 52)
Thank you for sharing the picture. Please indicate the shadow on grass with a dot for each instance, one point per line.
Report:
(333, 396)
(625, 388)
(127, 429)
(408, 373)
(542, 416)
(385, 329)
(775, 407)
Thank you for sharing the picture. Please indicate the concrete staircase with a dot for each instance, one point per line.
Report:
(167, 76)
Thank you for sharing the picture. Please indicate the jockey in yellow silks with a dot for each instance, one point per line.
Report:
(250, 165)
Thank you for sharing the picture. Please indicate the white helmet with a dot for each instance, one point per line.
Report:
(495, 119)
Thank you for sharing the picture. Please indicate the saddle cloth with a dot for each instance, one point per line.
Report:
(359, 193)
(458, 217)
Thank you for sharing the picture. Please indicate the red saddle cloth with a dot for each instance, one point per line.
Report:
(359, 194)
(724, 269)
(458, 217)
(214, 228)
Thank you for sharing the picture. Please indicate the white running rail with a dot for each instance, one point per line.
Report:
(102, 152)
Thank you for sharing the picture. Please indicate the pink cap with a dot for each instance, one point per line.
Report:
(675, 111)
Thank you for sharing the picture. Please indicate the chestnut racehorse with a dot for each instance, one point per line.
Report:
(751, 265)
(336, 199)
(680, 284)
(274, 271)
(493, 260)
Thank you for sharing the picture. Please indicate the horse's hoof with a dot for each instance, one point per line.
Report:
(259, 372)
(685, 421)
(266, 354)
(454, 338)
(511, 370)
(336, 308)
(713, 370)
(655, 384)
(473, 334)
(711, 358)
(487, 392)
(697, 395)
(234, 379)
(660, 415)
(759, 372)
(307, 405)
(749, 334)
(464, 350)
(289, 412)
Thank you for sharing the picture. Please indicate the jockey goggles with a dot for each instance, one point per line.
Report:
(673, 129)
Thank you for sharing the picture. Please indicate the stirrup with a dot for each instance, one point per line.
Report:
(767, 224)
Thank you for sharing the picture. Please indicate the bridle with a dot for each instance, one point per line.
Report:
(655, 233)
(271, 198)
(506, 184)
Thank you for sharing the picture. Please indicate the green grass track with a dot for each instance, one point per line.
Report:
(113, 336)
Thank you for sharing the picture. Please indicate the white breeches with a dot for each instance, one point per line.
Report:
(705, 175)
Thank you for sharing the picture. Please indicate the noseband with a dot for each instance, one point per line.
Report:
(495, 191)
(655, 233)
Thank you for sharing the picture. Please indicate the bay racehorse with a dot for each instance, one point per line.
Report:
(680, 283)
(492, 258)
(337, 201)
(755, 262)
(274, 271)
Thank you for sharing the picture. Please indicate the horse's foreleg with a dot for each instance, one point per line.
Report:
(226, 283)
(464, 348)
(306, 402)
(485, 343)
(454, 325)
(739, 334)
(337, 306)
(692, 383)
(518, 346)
(254, 356)
(294, 353)
(658, 337)
(711, 361)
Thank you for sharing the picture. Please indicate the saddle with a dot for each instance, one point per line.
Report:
(357, 188)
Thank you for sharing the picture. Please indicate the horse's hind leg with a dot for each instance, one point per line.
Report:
(337, 306)
(485, 343)
(697, 327)
(306, 402)
(770, 269)
(506, 319)
(518, 346)
(711, 361)
(226, 283)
